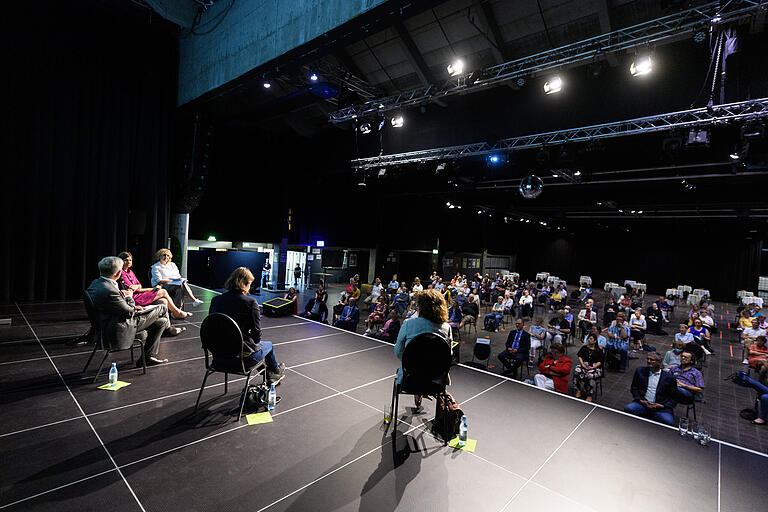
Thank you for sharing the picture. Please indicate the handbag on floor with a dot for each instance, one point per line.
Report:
(447, 417)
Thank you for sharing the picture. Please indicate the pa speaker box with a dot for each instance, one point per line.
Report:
(278, 307)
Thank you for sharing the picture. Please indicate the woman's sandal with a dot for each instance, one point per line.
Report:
(759, 423)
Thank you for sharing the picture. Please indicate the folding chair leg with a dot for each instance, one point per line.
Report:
(93, 353)
(226, 379)
(202, 387)
(243, 395)
(101, 365)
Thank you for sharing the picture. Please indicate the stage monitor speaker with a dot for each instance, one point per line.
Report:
(279, 307)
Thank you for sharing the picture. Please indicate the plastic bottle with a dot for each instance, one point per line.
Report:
(113, 375)
(463, 431)
(272, 398)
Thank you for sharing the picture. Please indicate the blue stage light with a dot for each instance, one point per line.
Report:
(321, 243)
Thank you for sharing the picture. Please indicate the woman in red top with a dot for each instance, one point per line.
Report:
(146, 296)
(758, 353)
(379, 315)
(554, 370)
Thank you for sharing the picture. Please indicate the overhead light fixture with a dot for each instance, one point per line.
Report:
(211, 238)
(520, 82)
(494, 159)
(699, 37)
(266, 85)
(313, 77)
(641, 66)
(361, 183)
(717, 18)
(553, 85)
(365, 128)
(440, 167)
(577, 173)
(735, 156)
(397, 122)
(382, 172)
(456, 67)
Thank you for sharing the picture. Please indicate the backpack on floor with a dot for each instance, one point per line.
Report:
(447, 417)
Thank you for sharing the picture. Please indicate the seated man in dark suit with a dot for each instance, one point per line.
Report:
(350, 315)
(121, 318)
(654, 392)
(517, 348)
(244, 310)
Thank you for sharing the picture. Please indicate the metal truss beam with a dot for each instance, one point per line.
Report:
(662, 30)
(699, 117)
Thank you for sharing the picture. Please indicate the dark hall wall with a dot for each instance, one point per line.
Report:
(89, 96)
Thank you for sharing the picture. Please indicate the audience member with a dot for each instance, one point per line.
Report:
(654, 319)
(701, 336)
(389, 330)
(349, 317)
(291, 295)
(540, 338)
(554, 370)
(758, 354)
(690, 381)
(653, 391)
(672, 357)
(749, 337)
(317, 307)
(587, 317)
(745, 321)
(376, 290)
(689, 342)
(526, 304)
(618, 341)
(339, 307)
(454, 315)
(637, 327)
(379, 315)
(517, 349)
(493, 318)
(402, 299)
(610, 311)
(244, 310)
(469, 312)
(121, 318)
(393, 286)
(602, 342)
(166, 274)
(761, 386)
(146, 296)
(589, 367)
(559, 327)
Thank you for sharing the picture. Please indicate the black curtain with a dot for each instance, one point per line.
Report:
(91, 92)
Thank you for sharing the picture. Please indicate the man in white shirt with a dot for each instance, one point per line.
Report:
(707, 319)
(587, 317)
(376, 291)
(749, 336)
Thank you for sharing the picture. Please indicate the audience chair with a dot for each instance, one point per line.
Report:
(599, 381)
(482, 350)
(426, 361)
(95, 331)
(471, 325)
(223, 346)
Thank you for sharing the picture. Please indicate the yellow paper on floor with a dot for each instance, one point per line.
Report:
(469, 447)
(258, 418)
(114, 387)
(453, 344)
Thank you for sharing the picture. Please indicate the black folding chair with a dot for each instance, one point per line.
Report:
(482, 351)
(98, 339)
(426, 361)
(223, 346)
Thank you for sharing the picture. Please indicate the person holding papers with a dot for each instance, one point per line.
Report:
(166, 274)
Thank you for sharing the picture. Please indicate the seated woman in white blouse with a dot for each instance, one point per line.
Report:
(166, 274)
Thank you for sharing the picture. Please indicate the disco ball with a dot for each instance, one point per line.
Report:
(531, 186)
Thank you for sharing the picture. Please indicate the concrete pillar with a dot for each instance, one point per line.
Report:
(180, 240)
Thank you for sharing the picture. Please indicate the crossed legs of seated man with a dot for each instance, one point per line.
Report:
(517, 348)
(654, 392)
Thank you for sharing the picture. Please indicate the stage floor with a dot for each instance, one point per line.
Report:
(69, 446)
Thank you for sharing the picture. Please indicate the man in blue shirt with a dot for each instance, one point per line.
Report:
(618, 341)
(690, 381)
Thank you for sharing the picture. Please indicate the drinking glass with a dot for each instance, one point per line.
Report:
(704, 435)
(693, 429)
(388, 413)
(683, 427)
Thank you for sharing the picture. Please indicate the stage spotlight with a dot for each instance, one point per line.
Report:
(555, 84)
(716, 19)
(313, 77)
(456, 67)
(382, 172)
(735, 156)
(641, 66)
(211, 238)
(520, 82)
(699, 37)
(397, 122)
(266, 85)
(365, 128)
(577, 173)
(440, 167)
(494, 159)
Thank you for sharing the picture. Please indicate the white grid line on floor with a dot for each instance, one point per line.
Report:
(143, 459)
(547, 460)
(72, 395)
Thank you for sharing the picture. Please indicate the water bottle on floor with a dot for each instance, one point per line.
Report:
(113, 375)
(463, 431)
(272, 398)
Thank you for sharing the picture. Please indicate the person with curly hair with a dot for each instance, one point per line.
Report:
(432, 317)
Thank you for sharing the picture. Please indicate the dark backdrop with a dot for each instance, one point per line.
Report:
(90, 90)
